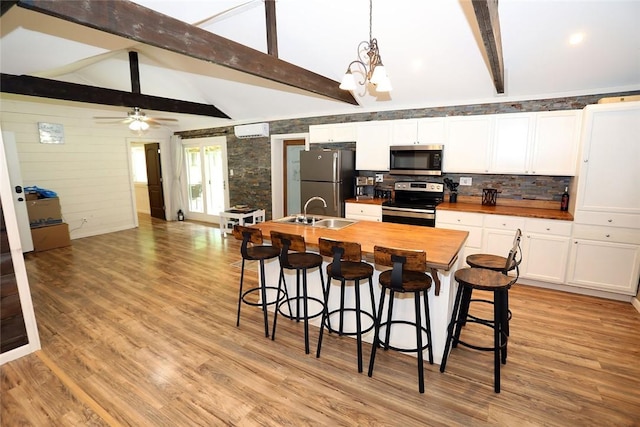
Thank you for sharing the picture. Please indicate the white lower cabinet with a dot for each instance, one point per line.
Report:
(545, 250)
(605, 258)
(363, 211)
(463, 221)
(498, 234)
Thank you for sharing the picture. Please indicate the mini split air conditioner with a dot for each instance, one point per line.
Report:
(255, 130)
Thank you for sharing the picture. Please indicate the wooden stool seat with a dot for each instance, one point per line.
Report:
(252, 249)
(347, 265)
(294, 256)
(408, 275)
(487, 280)
(490, 262)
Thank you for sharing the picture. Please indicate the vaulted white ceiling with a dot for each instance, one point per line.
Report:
(431, 49)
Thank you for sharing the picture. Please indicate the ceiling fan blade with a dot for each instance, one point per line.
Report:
(164, 119)
(107, 118)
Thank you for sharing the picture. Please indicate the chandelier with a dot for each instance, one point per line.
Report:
(370, 66)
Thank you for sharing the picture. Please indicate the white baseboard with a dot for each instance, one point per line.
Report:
(636, 303)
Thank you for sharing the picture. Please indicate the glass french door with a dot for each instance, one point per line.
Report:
(207, 192)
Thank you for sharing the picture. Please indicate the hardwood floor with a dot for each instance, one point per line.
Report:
(138, 328)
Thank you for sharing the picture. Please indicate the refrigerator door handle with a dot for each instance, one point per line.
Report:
(335, 167)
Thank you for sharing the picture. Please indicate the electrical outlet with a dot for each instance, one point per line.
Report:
(379, 177)
(465, 180)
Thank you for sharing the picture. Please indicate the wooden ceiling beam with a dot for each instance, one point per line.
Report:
(135, 22)
(486, 12)
(272, 30)
(55, 89)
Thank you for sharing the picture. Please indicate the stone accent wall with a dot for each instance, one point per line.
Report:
(250, 159)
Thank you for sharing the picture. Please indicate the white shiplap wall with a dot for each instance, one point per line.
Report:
(90, 171)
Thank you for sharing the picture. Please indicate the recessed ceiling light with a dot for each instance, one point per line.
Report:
(576, 38)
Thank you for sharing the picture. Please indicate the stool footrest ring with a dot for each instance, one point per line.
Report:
(300, 316)
(386, 345)
(336, 331)
(281, 295)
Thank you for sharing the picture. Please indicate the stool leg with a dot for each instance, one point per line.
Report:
(306, 311)
(298, 294)
(281, 281)
(416, 299)
(240, 293)
(427, 313)
(497, 339)
(358, 324)
(504, 325)
(373, 298)
(454, 315)
(376, 338)
(387, 336)
(463, 312)
(325, 316)
(341, 312)
(263, 292)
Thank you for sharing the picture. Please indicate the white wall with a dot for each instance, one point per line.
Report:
(90, 171)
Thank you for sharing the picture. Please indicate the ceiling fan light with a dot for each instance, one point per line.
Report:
(348, 81)
(144, 125)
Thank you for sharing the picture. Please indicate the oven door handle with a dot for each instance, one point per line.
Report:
(392, 210)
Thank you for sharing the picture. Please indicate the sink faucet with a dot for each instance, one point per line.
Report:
(309, 201)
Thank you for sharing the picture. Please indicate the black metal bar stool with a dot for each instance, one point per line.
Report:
(347, 265)
(252, 249)
(487, 280)
(495, 263)
(301, 261)
(407, 276)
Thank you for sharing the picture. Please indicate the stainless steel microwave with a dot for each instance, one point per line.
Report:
(415, 159)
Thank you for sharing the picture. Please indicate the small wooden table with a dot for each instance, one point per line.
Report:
(240, 216)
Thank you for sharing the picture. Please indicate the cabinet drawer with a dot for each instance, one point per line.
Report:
(361, 209)
(503, 222)
(610, 234)
(459, 218)
(546, 226)
(608, 219)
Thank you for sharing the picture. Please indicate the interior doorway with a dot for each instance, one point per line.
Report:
(154, 180)
(291, 175)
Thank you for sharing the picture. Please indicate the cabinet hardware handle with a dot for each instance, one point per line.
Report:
(608, 235)
(548, 229)
(609, 220)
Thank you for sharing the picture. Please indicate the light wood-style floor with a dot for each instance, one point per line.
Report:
(138, 328)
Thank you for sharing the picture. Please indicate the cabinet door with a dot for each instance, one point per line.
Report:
(555, 144)
(363, 212)
(372, 146)
(512, 139)
(342, 132)
(609, 173)
(607, 266)
(431, 131)
(545, 257)
(468, 144)
(405, 132)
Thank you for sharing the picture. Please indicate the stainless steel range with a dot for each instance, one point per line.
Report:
(414, 203)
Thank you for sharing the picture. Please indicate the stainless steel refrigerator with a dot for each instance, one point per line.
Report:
(328, 174)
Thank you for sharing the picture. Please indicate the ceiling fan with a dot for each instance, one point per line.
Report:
(138, 120)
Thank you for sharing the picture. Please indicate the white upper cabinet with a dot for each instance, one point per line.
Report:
(555, 143)
(341, 132)
(468, 144)
(372, 145)
(513, 135)
(517, 143)
(609, 171)
(418, 131)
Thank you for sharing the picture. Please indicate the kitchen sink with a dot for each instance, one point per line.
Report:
(319, 222)
(334, 223)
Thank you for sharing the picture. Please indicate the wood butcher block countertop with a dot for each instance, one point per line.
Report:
(524, 208)
(441, 245)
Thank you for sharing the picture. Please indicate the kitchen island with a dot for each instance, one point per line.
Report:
(441, 246)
